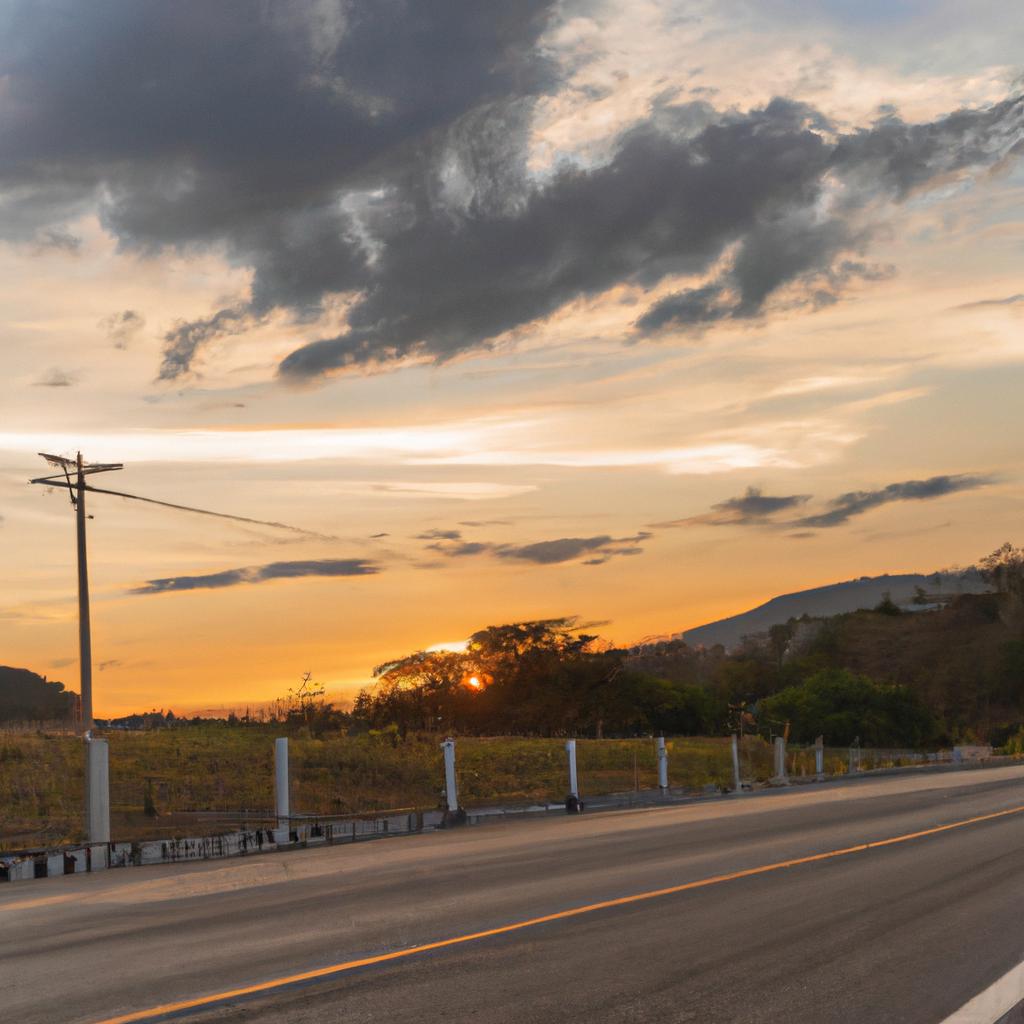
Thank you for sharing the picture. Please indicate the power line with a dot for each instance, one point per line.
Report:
(219, 515)
(57, 481)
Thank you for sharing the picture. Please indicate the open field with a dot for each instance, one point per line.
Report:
(203, 778)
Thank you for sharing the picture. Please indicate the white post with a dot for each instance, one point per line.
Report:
(737, 783)
(780, 759)
(853, 767)
(570, 748)
(281, 781)
(97, 797)
(451, 793)
(819, 757)
(662, 764)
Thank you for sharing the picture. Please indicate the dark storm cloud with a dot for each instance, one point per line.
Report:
(548, 552)
(795, 249)
(242, 123)
(260, 574)
(123, 326)
(183, 340)
(855, 503)
(900, 158)
(668, 202)
(378, 149)
(750, 508)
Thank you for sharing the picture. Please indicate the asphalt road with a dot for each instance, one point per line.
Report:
(905, 932)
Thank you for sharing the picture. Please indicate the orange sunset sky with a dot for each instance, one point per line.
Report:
(643, 313)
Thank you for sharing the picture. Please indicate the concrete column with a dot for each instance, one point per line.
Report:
(451, 792)
(780, 759)
(282, 804)
(854, 761)
(97, 790)
(737, 782)
(570, 749)
(662, 764)
(819, 757)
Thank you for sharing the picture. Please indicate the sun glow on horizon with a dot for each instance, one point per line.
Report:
(453, 646)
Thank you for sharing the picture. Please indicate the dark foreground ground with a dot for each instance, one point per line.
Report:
(906, 932)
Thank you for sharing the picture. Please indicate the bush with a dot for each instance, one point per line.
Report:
(841, 706)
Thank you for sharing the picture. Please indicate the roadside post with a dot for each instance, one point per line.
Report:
(454, 814)
(97, 757)
(572, 801)
(737, 782)
(662, 765)
(819, 758)
(281, 790)
(855, 756)
(780, 762)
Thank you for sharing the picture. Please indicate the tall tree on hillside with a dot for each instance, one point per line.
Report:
(1004, 569)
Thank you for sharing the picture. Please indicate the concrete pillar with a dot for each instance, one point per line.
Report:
(570, 749)
(854, 761)
(737, 783)
(451, 792)
(97, 790)
(780, 760)
(282, 804)
(662, 764)
(819, 757)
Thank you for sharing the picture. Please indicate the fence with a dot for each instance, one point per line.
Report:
(500, 771)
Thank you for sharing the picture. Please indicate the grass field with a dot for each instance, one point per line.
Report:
(197, 779)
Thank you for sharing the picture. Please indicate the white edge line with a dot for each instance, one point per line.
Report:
(999, 998)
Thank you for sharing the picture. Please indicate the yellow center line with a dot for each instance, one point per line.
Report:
(561, 915)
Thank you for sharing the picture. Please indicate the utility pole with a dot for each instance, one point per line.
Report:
(97, 772)
(76, 491)
(97, 786)
(84, 626)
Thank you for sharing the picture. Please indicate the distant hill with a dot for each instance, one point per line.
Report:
(834, 599)
(27, 697)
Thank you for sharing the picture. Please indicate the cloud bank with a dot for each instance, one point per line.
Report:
(600, 548)
(755, 508)
(261, 574)
(856, 503)
(751, 507)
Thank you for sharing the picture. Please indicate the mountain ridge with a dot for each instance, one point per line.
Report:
(834, 599)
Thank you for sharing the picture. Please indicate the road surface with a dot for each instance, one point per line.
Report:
(906, 932)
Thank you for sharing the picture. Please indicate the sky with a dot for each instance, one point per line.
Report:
(643, 312)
